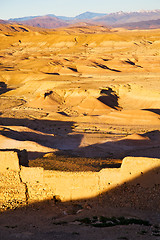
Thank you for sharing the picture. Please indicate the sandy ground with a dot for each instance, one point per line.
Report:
(61, 221)
(82, 94)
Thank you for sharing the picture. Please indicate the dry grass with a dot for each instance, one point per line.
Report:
(68, 163)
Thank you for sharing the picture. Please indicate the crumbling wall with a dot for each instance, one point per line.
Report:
(12, 190)
(25, 185)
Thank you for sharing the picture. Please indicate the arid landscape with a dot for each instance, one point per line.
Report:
(86, 91)
(80, 98)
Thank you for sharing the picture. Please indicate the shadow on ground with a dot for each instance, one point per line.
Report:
(50, 219)
(51, 134)
(59, 135)
(154, 110)
(4, 88)
(149, 147)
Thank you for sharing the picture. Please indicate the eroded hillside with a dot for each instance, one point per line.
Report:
(86, 91)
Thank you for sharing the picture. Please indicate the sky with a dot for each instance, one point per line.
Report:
(71, 8)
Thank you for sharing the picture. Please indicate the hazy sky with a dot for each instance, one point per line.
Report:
(21, 8)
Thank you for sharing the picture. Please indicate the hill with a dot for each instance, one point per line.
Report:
(115, 19)
(152, 24)
(45, 22)
(6, 27)
(112, 19)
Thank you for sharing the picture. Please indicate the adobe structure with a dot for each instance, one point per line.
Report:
(136, 183)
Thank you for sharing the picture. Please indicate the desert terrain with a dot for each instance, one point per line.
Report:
(79, 98)
(86, 91)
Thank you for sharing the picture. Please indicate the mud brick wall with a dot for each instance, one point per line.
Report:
(125, 186)
(72, 185)
(12, 190)
(37, 189)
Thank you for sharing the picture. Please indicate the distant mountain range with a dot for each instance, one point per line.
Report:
(140, 19)
(45, 22)
(152, 24)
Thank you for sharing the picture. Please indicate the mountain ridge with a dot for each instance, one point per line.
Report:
(116, 19)
(88, 15)
(152, 24)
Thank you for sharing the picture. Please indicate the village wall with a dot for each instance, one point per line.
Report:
(21, 185)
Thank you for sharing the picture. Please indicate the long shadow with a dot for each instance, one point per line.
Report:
(154, 110)
(52, 134)
(44, 140)
(132, 63)
(4, 88)
(126, 147)
(105, 67)
(153, 135)
(151, 151)
(136, 193)
(143, 187)
(127, 200)
(109, 98)
(52, 73)
(57, 135)
(44, 126)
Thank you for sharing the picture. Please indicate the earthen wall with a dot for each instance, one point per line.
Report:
(21, 185)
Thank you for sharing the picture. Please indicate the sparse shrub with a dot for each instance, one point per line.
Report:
(113, 221)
